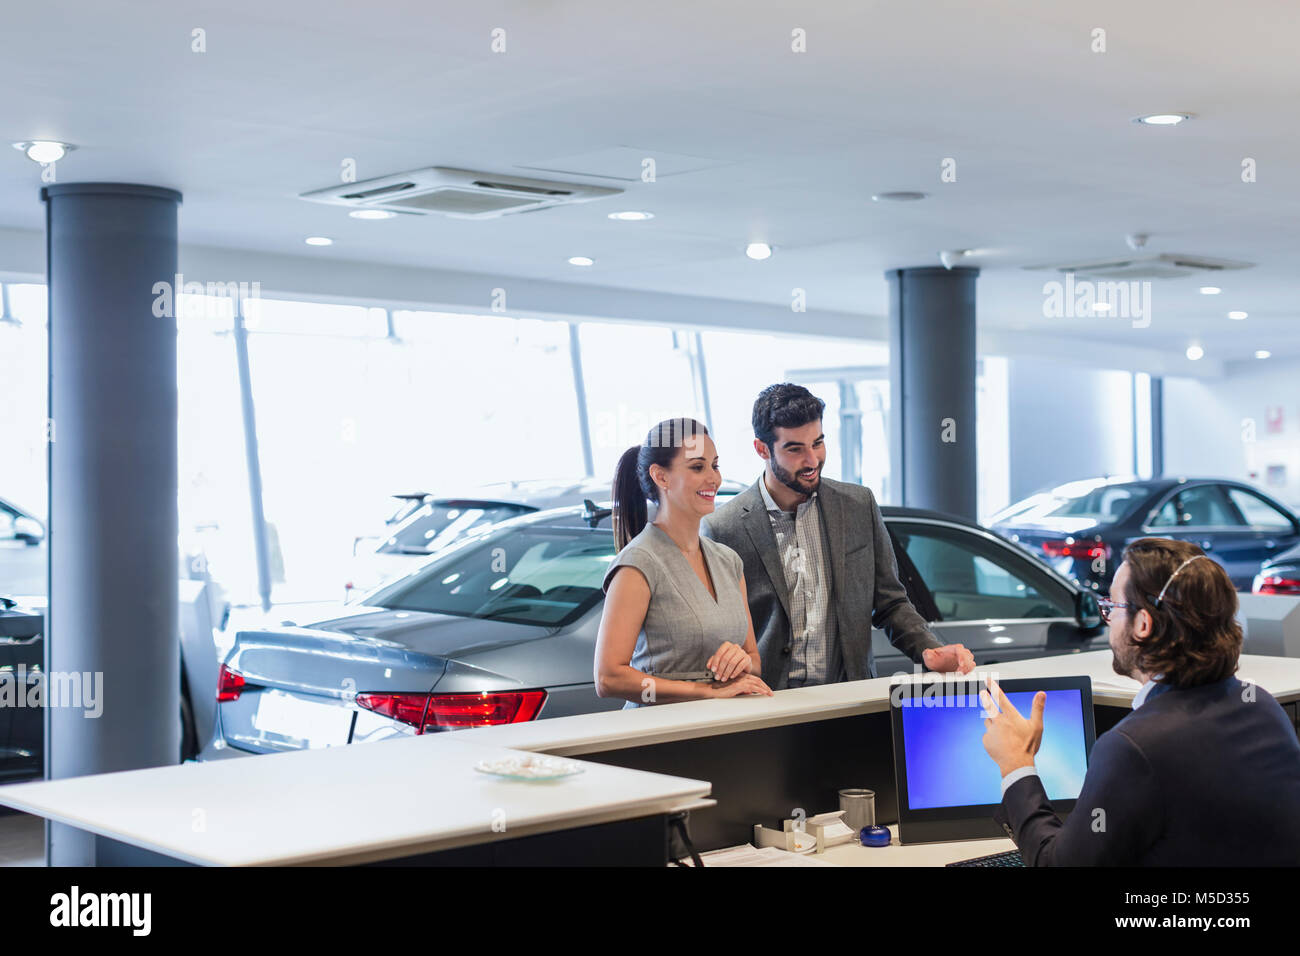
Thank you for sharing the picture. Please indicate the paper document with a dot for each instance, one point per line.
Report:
(748, 855)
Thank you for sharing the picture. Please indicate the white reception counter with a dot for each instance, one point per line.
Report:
(387, 800)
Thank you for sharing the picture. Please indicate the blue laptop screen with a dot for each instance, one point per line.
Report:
(947, 765)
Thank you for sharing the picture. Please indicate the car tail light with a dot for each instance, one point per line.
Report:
(452, 711)
(229, 684)
(1082, 550)
(408, 708)
(429, 713)
(1274, 583)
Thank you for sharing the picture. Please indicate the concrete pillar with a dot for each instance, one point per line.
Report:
(932, 388)
(112, 466)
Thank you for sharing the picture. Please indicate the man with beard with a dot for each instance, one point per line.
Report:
(818, 561)
(1206, 769)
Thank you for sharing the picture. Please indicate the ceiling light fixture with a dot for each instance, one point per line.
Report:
(319, 241)
(902, 195)
(1263, 354)
(1210, 290)
(372, 214)
(44, 150)
(581, 261)
(1195, 353)
(631, 215)
(1162, 119)
(1238, 315)
(758, 250)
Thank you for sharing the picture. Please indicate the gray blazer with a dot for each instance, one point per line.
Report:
(864, 578)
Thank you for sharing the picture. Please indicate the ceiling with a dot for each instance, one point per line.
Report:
(753, 141)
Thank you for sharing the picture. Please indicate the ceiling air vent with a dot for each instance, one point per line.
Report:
(459, 193)
(1168, 266)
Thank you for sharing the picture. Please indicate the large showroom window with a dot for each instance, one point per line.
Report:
(741, 364)
(354, 404)
(635, 375)
(23, 389)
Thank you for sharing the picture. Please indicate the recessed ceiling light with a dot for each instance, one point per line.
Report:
(758, 250)
(318, 241)
(1210, 290)
(1195, 353)
(631, 215)
(902, 195)
(1237, 315)
(581, 261)
(1162, 119)
(44, 150)
(372, 214)
(1263, 354)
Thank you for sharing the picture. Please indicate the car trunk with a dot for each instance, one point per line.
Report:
(301, 684)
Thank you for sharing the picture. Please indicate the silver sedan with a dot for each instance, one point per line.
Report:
(501, 627)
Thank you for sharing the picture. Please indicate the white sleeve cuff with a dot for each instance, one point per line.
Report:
(1018, 774)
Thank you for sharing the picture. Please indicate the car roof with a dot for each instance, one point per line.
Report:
(571, 515)
(1162, 483)
(539, 493)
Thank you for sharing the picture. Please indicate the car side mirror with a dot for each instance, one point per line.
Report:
(1087, 611)
(28, 530)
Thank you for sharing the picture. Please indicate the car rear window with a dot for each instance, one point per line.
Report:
(438, 523)
(534, 574)
(1105, 505)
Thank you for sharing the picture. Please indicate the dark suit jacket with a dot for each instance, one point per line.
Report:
(864, 578)
(1203, 776)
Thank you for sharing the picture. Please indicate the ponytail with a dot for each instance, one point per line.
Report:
(630, 513)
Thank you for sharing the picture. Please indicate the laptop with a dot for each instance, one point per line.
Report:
(948, 786)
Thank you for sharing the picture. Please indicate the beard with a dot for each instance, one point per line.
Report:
(1124, 659)
(791, 480)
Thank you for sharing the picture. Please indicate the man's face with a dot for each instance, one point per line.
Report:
(797, 456)
(1120, 634)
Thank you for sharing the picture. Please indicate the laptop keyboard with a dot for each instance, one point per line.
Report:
(1009, 858)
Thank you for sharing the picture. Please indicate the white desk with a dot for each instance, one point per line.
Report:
(342, 806)
(614, 730)
(920, 854)
(403, 797)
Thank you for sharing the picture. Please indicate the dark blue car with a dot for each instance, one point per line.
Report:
(1081, 528)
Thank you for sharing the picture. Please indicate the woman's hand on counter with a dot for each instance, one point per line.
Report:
(746, 684)
(729, 661)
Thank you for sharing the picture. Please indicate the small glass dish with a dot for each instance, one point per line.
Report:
(530, 767)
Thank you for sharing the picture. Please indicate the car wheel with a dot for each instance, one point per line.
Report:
(189, 736)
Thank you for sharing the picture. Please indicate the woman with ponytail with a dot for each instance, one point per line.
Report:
(676, 626)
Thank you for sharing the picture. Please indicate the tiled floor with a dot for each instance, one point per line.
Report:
(22, 840)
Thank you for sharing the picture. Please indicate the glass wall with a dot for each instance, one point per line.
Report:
(741, 364)
(636, 375)
(23, 364)
(356, 404)
(23, 397)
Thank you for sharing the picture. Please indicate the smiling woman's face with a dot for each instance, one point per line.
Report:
(689, 484)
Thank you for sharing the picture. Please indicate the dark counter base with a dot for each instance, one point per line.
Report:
(639, 842)
(766, 776)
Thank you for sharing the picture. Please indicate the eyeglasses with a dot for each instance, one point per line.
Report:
(1106, 605)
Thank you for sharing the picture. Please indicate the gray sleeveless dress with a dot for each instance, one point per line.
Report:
(683, 624)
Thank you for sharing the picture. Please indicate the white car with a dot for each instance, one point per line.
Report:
(438, 520)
